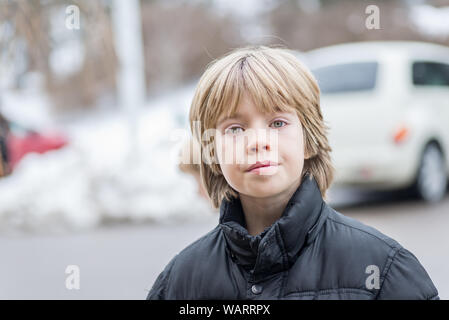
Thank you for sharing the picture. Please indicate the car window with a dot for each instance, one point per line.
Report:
(430, 74)
(347, 77)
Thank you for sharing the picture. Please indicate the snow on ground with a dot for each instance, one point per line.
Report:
(102, 177)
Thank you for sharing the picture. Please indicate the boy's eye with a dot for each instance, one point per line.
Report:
(278, 124)
(233, 130)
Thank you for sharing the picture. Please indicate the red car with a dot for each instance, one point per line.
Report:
(22, 141)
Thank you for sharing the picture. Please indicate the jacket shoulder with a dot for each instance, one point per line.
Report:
(199, 249)
(345, 228)
(363, 250)
(172, 282)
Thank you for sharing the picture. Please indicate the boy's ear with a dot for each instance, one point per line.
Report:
(306, 155)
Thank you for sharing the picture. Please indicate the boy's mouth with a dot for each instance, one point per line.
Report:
(261, 164)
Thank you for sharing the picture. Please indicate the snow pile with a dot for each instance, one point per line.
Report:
(102, 177)
(27, 107)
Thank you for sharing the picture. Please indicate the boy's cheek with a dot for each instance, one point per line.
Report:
(232, 152)
(232, 176)
(292, 143)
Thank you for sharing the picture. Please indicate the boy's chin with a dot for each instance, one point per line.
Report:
(265, 190)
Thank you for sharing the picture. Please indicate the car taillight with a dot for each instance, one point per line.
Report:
(401, 134)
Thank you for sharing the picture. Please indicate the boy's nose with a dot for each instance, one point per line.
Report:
(258, 147)
(257, 143)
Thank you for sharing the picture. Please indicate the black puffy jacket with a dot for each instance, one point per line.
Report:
(311, 252)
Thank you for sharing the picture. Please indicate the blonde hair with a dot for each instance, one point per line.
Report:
(275, 80)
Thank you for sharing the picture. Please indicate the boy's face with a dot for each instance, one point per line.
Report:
(274, 140)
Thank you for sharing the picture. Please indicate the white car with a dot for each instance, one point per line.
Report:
(387, 106)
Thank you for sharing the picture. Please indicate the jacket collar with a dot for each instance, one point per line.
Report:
(277, 247)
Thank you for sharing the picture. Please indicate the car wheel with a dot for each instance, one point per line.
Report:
(431, 181)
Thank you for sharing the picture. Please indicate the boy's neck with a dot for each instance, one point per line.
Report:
(261, 213)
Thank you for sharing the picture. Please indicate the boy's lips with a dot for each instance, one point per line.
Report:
(262, 164)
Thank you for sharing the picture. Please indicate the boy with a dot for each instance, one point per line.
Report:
(266, 165)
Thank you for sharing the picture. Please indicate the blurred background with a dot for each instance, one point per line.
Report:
(94, 101)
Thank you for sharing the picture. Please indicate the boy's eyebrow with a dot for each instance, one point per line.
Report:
(235, 116)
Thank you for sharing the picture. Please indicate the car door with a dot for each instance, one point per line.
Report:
(431, 82)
